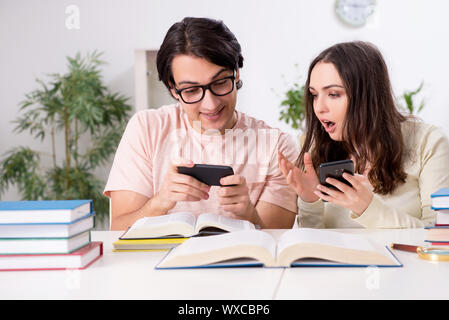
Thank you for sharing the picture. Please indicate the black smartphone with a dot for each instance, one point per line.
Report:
(207, 173)
(335, 170)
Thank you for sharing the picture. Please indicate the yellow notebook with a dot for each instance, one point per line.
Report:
(164, 244)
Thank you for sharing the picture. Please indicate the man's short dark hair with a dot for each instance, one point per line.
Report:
(201, 37)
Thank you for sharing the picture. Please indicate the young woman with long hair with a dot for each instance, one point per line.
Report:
(351, 114)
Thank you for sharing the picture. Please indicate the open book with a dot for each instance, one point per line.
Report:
(184, 224)
(296, 247)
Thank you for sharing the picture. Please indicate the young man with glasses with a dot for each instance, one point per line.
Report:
(199, 62)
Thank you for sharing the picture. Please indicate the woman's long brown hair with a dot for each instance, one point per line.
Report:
(372, 128)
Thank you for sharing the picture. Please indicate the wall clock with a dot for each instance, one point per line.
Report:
(354, 12)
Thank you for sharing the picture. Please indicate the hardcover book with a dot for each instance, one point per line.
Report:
(79, 259)
(44, 245)
(184, 224)
(438, 234)
(295, 248)
(47, 230)
(442, 218)
(440, 199)
(158, 244)
(44, 211)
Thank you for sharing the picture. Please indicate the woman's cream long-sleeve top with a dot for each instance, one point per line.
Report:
(408, 206)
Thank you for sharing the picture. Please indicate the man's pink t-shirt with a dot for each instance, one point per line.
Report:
(154, 138)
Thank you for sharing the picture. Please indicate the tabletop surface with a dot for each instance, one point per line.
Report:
(131, 275)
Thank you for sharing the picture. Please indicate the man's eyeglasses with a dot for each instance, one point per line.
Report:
(194, 94)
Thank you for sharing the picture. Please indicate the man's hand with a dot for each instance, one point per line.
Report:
(234, 198)
(179, 187)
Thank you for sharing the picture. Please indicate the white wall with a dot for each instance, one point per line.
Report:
(275, 36)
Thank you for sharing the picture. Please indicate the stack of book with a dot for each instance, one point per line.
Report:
(439, 234)
(47, 235)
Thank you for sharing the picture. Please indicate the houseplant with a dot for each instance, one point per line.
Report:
(293, 110)
(409, 97)
(91, 120)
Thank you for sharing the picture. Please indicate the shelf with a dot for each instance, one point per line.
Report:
(149, 91)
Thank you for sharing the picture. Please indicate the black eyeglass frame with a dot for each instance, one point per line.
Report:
(206, 87)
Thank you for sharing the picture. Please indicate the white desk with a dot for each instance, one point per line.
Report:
(131, 275)
(417, 279)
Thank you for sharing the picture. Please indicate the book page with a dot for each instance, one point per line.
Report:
(184, 217)
(198, 251)
(178, 223)
(219, 221)
(204, 244)
(318, 236)
(330, 245)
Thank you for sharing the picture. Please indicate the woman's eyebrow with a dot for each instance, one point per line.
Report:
(328, 87)
(333, 85)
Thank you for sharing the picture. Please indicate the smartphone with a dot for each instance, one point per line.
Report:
(335, 170)
(207, 173)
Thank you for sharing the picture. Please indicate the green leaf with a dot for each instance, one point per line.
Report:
(409, 99)
(20, 167)
(293, 108)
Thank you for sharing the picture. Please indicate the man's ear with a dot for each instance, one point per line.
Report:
(238, 82)
(172, 91)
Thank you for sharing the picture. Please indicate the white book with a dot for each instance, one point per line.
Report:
(296, 247)
(44, 245)
(184, 224)
(440, 199)
(43, 211)
(442, 217)
(47, 230)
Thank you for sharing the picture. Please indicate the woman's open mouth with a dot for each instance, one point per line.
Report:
(329, 126)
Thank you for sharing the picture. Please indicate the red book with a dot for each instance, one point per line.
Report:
(442, 217)
(79, 259)
(444, 244)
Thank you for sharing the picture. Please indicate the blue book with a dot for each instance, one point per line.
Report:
(43, 211)
(301, 247)
(440, 199)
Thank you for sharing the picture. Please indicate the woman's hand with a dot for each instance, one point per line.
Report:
(356, 198)
(303, 182)
(179, 187)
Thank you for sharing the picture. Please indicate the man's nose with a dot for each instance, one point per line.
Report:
(210, 101)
